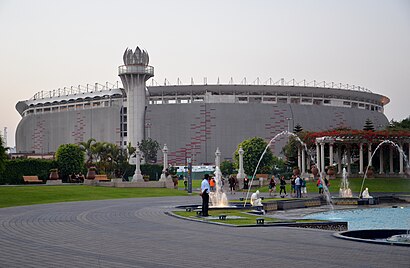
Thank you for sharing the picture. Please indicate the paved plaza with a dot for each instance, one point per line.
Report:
(137, 233)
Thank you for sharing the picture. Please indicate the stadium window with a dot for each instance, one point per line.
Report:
(96, 104)
(63, 108)
(87, 105)
(269, 99)
(354, 104)
(282, 100)
(347, 103)
(326, 101)
(361, 105)
(295, 100)
(54, 109)
(317, 102)
(306, 100)
(39, 111)
(79, 106)
(47, 110)
(367, 107)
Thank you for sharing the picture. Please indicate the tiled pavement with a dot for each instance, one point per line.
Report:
(137, 233)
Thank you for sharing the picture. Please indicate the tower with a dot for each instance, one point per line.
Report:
(134, 73)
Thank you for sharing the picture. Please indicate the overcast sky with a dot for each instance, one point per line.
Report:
(46, 45)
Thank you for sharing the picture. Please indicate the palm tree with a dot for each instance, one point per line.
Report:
(87, 147)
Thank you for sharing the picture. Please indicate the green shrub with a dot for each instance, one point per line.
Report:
(153, 171)
(70, 159)
(17, 168)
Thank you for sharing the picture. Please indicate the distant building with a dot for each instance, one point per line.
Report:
(193, 120)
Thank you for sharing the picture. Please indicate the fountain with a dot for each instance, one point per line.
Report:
(288, 134)
(377, 148)
(345, 191)
(218, 197)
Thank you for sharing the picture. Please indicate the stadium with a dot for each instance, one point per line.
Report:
(193, 120)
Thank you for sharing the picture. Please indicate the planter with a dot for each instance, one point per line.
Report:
(370, 172)
(315, 170)
(91, 174)
(53, 175)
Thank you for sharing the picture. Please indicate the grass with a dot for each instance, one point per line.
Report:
(246, 219)
(29, 195)
(387, 185)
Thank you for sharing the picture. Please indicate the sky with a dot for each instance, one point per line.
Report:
(48, 44)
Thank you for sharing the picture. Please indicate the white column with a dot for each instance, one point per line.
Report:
(318, 156)
(381, 160)
(303, 162)
(330, 154)
(165, 162)
(299, 158)
(339, 160)
(349, 170)
(369, 153)
(391, 160)
(217, 157)
(401, 158)
(322, 157)
(241, 172)
(361, 158)
(137, 175)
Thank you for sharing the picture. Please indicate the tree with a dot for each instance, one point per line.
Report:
(227, 167)
(368, 125)
(298, 128)
(290, 150)
(70, 159)
(253, 149)
(149, 149)
(87, 147)
(402, 125)
(3, 155)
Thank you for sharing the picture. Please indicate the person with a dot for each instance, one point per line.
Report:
(255, 199)
(304, 188)
(282, 186)
(205, 190)
(80, 177)
(319, 186)
(327, 183)
(73, 178)
(212, 184)
(175, 181)
(185, 183)
(298, 186)
(292, 186)
(231, 182)
(272, 186)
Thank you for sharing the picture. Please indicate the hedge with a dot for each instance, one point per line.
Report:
(153, 171)
(17, 168)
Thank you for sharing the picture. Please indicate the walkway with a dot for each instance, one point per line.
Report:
(137, 233)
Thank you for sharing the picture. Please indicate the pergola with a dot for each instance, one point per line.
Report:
(345, 145)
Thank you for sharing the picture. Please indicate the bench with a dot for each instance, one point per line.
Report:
(101, 178)
(31, 179)
(188, 209)
(260, 221)
(222, 217)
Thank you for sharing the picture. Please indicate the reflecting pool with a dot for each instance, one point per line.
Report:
(371, 218)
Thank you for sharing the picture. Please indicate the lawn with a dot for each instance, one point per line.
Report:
(387, 185)
(246, 218)
(29, 195)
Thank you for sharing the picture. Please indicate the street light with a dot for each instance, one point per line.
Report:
(288, 118)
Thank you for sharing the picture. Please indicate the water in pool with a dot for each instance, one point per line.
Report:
(371, 218)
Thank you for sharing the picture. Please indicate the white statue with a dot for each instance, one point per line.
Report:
(366, 194)
(255, 199)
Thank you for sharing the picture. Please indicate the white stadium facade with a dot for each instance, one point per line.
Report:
(193, 120)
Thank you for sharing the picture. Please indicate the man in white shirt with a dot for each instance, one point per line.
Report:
(205, 190)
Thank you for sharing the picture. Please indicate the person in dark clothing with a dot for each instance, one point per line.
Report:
(205, 190)
(282, 185)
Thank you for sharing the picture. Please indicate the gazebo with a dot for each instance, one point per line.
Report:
(332, 148)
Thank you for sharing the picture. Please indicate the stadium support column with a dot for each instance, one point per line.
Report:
(401, 152)
(322, 157)
(391, 171)
(299, 158)
(331, 154)
(369, 154)
(381, 160)
(134, 73)
(303, 161)
(318, 156)
(361, 158)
